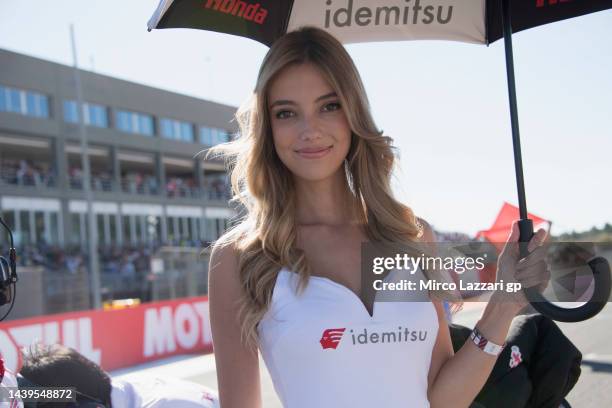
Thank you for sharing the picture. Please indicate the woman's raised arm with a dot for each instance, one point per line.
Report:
(462, 375)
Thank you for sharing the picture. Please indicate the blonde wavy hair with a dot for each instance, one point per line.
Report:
(265, 235)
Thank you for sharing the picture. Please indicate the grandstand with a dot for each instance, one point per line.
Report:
(149, 190)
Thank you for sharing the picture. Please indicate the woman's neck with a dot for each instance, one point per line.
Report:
(325, 202)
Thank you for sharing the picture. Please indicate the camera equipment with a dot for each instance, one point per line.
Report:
(8, 274)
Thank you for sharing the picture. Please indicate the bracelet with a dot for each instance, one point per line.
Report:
(484, 344)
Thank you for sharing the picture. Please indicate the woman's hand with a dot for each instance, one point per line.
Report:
(531, 271)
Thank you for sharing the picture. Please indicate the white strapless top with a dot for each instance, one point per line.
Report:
(323, 349)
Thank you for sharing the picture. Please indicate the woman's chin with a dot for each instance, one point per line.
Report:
(315, 176)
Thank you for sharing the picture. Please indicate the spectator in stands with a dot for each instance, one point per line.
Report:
(60, 366)
(152, 184)
(75, 175)
(127, 268)
(171, 187)
(73, 263)
(24, 173)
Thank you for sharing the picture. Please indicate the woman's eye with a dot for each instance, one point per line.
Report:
(332, 106)
(283, 114)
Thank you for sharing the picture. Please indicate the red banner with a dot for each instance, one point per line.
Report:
(499, 231)
(117, 338)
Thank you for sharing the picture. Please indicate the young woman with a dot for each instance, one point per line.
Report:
(312, 173)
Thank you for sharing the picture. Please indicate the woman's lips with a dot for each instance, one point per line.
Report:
(315, 154)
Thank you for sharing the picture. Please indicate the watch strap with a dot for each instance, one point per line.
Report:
(484, 344)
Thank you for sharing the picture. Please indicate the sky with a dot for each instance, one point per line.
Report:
(444, 103)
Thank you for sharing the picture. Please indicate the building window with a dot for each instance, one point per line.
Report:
(24, 102)
(213, 136)
(175, 129)
(93, 115)
(133, 122)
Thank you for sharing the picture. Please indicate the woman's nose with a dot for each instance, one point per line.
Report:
(310, 128)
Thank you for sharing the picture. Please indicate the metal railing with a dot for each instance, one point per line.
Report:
(217, 195)
(97, 183)
(145, 187)
(35, 179)
(183, 191)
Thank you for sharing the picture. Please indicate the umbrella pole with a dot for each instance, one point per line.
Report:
(525, 224)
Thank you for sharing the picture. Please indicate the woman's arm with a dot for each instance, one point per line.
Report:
(455, 379)
(237, 366)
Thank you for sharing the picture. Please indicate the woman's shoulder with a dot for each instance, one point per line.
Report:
(226, 247)
(223, 276)
(223, 254)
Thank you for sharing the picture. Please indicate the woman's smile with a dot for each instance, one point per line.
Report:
(314, 152)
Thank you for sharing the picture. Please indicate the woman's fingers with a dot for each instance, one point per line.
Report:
(514, 233)
(536, 266)
(511, 245)
(538, 274)
(534, 256)
(537, 239)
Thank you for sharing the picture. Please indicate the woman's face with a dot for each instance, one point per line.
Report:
(311, 134)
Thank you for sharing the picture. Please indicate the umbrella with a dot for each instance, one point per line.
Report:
(472, 21)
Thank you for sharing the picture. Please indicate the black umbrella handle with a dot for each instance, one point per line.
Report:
(602, 281)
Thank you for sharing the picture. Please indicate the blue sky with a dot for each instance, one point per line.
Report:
(444, 103)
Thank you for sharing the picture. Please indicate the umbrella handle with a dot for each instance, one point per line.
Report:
(602, 286)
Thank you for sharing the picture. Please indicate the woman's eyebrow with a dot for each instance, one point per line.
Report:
(288, 102)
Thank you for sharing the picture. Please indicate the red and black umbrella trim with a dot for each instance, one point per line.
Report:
(527, 14)
(261, 20)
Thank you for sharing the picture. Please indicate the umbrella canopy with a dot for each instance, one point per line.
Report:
(350, 21)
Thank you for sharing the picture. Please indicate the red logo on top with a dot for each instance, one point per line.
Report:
(542, 3)
(250, 12)
(331, 338)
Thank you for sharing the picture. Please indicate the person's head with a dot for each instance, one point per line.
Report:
(299, 69)
(308, 94)
(305, 113)
(59, 366)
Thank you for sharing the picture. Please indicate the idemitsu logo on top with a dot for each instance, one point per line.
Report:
(249, 11)
(362, 13)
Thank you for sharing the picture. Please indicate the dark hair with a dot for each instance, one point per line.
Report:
(60, 366)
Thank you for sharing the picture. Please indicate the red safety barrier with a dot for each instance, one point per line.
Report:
(116, 338)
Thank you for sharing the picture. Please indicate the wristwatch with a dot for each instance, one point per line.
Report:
(486, 345)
